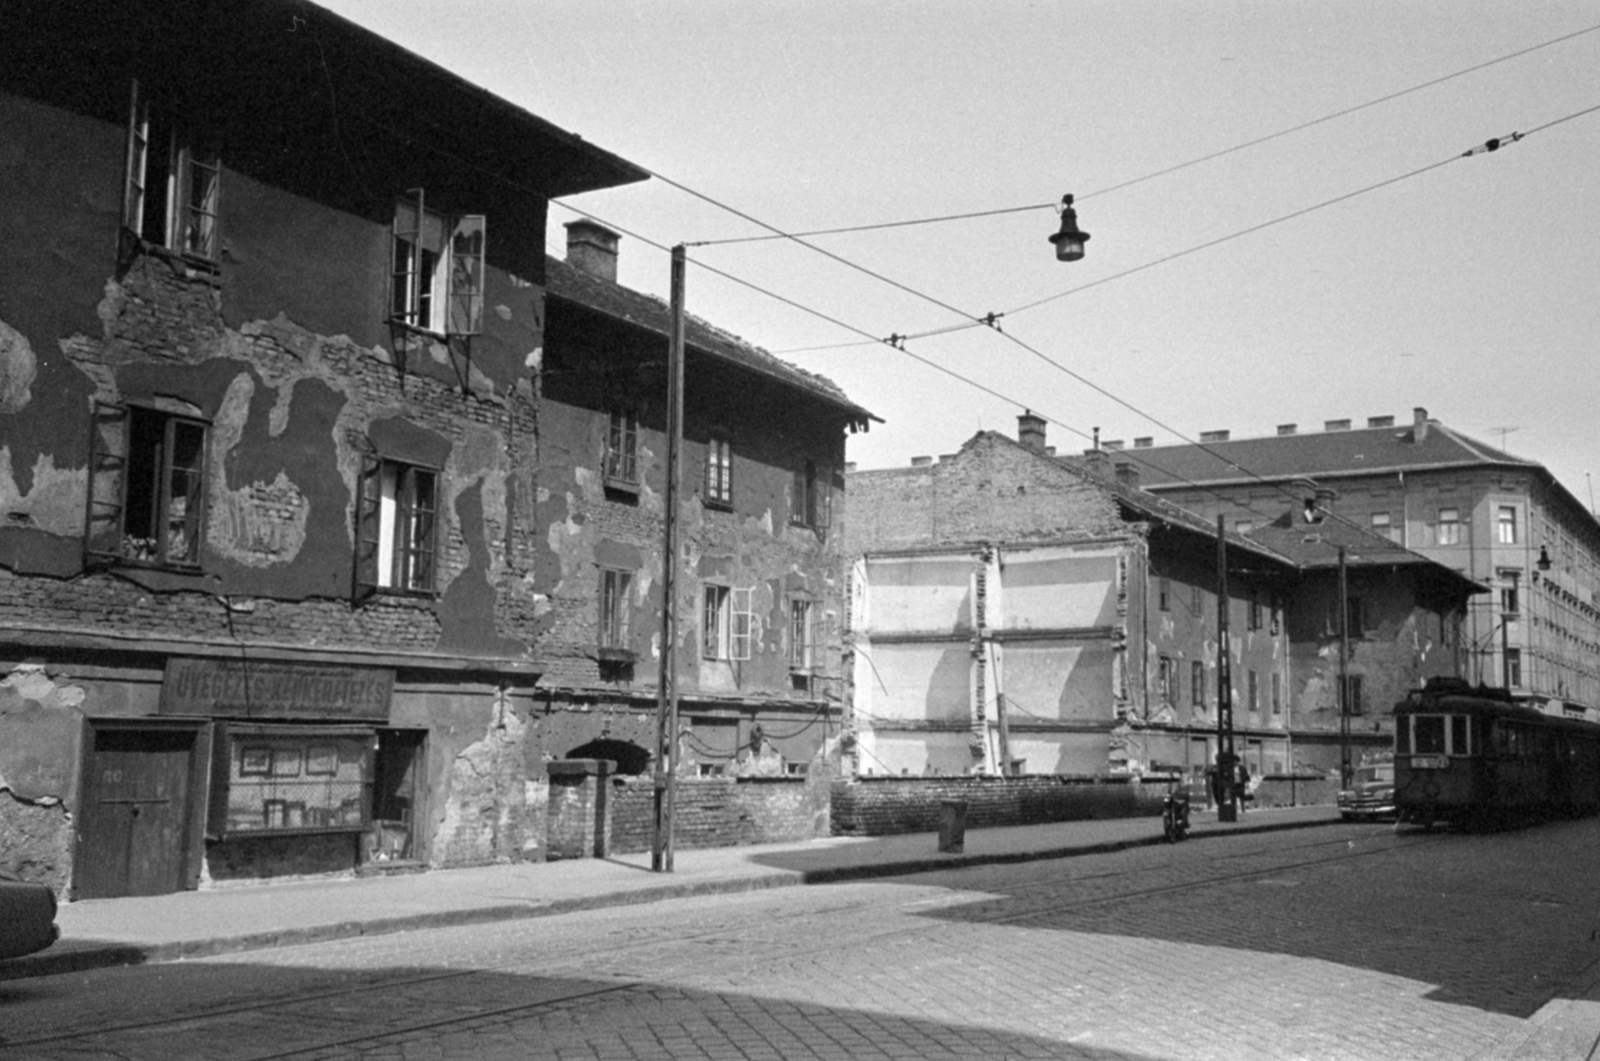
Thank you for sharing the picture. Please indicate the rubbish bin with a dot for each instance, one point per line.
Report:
(952, 825)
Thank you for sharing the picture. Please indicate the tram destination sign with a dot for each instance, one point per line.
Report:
(236, 688)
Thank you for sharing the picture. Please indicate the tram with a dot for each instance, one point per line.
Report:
(1471, 755)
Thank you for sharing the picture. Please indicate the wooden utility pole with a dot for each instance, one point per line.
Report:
(667, 695)
(1227, 761)
(1346, 772)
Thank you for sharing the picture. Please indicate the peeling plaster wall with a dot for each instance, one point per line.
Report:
(584, 527)
(1404, 643)
(283, 350)
(289, 405)
(41, 719)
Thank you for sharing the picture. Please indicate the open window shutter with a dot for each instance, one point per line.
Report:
(466, 276)
(743, 624)
(405, 291)
(133, 190)
(800, 497)
(108, 464)
(369, 490)
(824, 505)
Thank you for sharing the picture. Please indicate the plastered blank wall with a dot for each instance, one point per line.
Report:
(917, 682)
(1057, 680)
(919, 595)
(1057, 589)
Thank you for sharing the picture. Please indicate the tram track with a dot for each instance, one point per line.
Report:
(1341, 849)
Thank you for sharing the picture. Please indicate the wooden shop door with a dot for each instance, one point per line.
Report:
(137, 806)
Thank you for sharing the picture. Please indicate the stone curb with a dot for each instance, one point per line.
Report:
(75, 960)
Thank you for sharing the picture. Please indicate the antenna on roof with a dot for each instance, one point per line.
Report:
(1503, 432)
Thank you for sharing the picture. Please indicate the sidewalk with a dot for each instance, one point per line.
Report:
(104, 932)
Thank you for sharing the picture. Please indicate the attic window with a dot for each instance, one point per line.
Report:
(436, 273)
(171, 182)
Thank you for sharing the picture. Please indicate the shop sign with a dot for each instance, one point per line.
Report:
(236, 688)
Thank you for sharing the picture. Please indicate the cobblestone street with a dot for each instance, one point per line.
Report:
(1344, 942)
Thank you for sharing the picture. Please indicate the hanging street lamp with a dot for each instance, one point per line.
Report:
(1070, 240)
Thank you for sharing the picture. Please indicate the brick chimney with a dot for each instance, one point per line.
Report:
(1030, 431)
(1128, 473)
(1419, 424)
(592, 248)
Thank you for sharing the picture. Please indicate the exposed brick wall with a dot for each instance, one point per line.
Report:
(891, 805)
(721, 812)
(993, 491)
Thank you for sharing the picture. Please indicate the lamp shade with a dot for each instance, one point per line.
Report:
(1070, 240)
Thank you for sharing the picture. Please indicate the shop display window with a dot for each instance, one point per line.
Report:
(270, 779)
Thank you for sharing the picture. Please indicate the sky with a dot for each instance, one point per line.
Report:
(1283, 229)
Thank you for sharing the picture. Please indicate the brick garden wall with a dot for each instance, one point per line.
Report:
(885, 806)
(721, 812)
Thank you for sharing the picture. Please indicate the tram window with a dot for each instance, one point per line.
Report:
(1458, 736)
(1428, 735)
(1402, 737)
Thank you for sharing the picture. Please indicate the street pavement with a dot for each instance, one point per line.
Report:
(103, 932)
(241, 918)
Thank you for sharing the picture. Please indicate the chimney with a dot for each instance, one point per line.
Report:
(1213, 436)
(1128, 474)
(1419, 424)
(1030, 431)
(1326, 495)
(1097, 460)
(1380, 421)
(1115, 443)
(593, 249)
(1287, 429)
(1336, 425)
(921, 462)
(1144, 442)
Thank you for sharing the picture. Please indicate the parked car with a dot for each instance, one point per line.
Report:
(1370, 795)
(27, 916)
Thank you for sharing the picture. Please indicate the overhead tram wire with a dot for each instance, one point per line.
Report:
(869, 338)
(1303, 126)
(896, 340)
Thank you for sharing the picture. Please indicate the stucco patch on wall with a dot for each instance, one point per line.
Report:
(18, 368)
(55, 502)
(480, 823)
(39, 717)
(259, 524)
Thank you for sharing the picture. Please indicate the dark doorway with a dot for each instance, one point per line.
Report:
(396, 791)
(139, 830)
(629, 757)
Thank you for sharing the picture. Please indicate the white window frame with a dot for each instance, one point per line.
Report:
(1505, 521)
(397, 540)
(436, 272)
(621, 460)
(802, 635)
(719, 470)
(616, 589)
(1448, 531)
(727, 624)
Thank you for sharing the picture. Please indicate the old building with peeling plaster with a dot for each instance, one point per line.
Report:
(273, 538)
(759, 588)
(1018, 612)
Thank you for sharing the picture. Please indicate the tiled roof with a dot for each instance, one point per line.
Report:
(1316, 545)
(568, 282)
(1314, 455)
